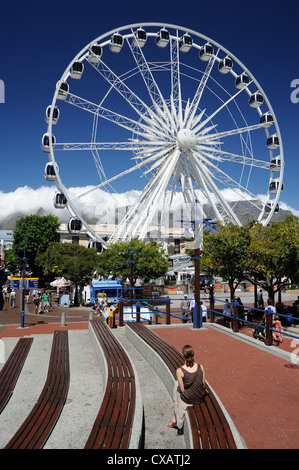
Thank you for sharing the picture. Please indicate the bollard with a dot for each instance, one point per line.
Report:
(195, 316)
(167, 311)
(235, 321)
(90, 315)
(121, 311)
(138, 312)
(269, 321)
(62, 318)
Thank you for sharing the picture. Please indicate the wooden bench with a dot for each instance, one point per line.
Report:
(11, 370)
(209, 426)
(39, 424)
(113, 425)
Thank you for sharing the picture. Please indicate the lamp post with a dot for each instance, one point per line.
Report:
(23, 287)
(198, 225)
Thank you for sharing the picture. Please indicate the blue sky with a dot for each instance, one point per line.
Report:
(37, 43)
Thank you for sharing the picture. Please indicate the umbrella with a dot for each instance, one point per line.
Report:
(61, 282)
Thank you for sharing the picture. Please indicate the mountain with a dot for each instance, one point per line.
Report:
(243, 209)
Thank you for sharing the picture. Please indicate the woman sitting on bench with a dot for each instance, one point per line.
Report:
(189, 388)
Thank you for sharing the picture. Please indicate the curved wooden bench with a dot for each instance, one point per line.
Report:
(39, 424)
(113, 424)
(209, 426)
(11, 370)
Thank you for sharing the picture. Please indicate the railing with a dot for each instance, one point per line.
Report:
(267, 326)
(197, 320)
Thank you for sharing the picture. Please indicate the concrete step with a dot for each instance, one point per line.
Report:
(158, 409)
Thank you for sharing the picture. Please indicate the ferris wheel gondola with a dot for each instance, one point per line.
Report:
(55, 115)
(225, 65)
(59, 201)
(50, 172)
(242, 81)
(187, 129)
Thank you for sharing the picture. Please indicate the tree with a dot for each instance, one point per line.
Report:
(273, 255)
(150, 260)
(225, 253)
(34, 232)
(76, 263)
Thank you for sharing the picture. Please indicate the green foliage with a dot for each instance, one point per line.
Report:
(36, 232)
(225, 253)
(273, 255)
(76, 263)
(150, 260)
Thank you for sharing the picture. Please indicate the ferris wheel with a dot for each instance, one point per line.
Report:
(166, 111)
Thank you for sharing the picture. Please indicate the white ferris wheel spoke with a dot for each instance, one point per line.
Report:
(199, 91)
(176, 94)
(217, 193)
(151, 85)
(129, 146)
(225, 179)
(220, 135)
(145, 130)
(202, 184)
(224, 104)
(126, 172)
(129, 96)
(232, 157)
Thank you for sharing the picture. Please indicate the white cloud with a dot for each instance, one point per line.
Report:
(27, 201)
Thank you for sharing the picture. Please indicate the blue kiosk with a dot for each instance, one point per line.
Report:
(112, 289)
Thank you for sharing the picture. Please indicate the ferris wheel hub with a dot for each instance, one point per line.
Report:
(186, 139)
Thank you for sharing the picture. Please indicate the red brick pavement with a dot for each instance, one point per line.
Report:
(259, 390)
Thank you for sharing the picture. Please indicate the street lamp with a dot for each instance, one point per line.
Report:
(198, 225)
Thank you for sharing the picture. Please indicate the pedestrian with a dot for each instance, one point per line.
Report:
(227, 313)
(211, 292)
(185, 308)
(37, 303)
(27, 294)
(204, 311)
(260, 300)
(50, 301)
(12, 296)
(45, 298)
(189, 388)
(241, 311)
(277, 335)
(269, 307)
(206, 294)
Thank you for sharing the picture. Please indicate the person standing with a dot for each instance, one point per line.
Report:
(189, 388)
(260, 300)
(185, 308)
(204, 311)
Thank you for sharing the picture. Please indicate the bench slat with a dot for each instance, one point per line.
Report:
(39, 424)
(113, 424)
(11, 370)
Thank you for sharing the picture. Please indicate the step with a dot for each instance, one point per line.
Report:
(158, 409)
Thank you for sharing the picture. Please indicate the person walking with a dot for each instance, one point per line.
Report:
(189, 388)
(12, 296)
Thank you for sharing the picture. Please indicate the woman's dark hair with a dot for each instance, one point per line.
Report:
(188, 353)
